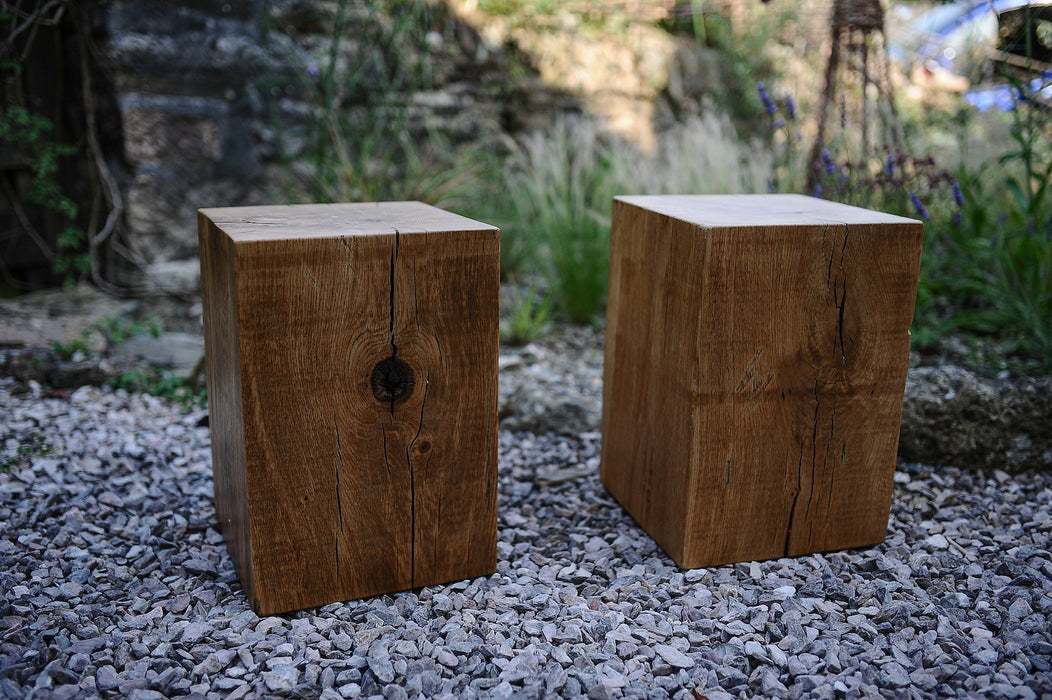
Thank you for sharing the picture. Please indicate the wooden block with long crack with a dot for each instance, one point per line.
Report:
(352, 380)
(756, 357)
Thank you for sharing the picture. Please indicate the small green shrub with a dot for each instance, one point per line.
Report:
(530, 312)
(564, 182)
(987, 255)
(160, 382)
(27, 134)
(363, 145)
(118, 330)
(79, 346)
(17, 451)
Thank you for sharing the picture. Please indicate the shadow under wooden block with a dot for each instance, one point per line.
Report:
(756, 357)
(352, 383)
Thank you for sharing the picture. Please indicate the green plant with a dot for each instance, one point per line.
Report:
(27, 135)
(564, 182)
(16, 451)
(363, 142)
(741, 52)
(117, 330)
(160, 382)
(114, 331)
(79, 346)
(530, 312)
(1024, 248)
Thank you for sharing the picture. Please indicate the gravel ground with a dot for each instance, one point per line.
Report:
(114, 581)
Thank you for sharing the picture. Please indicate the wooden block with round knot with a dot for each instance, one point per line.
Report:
(352, 382)
(756, 357)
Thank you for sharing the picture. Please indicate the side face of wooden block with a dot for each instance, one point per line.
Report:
(655, 273)
(368, 367)
(223, 375)
(792, 347)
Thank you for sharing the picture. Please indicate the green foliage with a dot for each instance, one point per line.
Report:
(117, 330)
(987, 258)
(1024, 248)
(17, 451)
(564, 182)
(27, 134)
(741, 53)
(360, 143)
(160, 382)
(113, 330)
(79, 346)
(988, 272)
(530, 312)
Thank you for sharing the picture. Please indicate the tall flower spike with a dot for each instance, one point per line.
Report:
(790, 106)
(922, 211)
(768, 104)
(827, 161)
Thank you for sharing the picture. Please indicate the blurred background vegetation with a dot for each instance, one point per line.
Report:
(921, 116)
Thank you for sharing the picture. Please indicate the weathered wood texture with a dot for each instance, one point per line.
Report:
(756, 357)
(352, 376)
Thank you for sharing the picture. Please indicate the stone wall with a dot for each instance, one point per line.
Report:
(211, 103)
(215, 100)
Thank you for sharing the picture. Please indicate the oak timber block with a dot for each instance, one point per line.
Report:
(352, 384)
(756, 357)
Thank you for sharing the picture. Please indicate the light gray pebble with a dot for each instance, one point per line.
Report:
(446, 658)
(674, 656)
(281, 677)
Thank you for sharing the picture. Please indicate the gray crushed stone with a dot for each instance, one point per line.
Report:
(114, 582)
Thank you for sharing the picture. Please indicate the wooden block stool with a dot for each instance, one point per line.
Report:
(352, 384)
(756, 356)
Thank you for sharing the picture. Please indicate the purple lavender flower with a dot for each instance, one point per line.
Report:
(312, 70)
(957, 218)
(922, 211)
(817, 191)
(827, 161)
(768, 104)
(790, 106)
(889, 166)
(778, 123)
(958, 197)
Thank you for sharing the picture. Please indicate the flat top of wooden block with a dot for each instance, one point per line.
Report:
(285, 221)
(732, 210)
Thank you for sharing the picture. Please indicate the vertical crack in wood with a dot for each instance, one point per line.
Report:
(799, 474)
(391, 326)
(841, 303)
(491, 460)
(395, 396)
(412, 484)
(434, 546)
(387, 463)
(339, 500)
(814, 467)
(416, 296)
(796, 497)
(832, 471)
(339, 467)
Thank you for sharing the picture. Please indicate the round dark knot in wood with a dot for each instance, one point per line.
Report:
(392, 380)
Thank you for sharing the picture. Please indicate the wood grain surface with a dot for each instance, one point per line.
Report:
(756, 357)
(365, 366)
